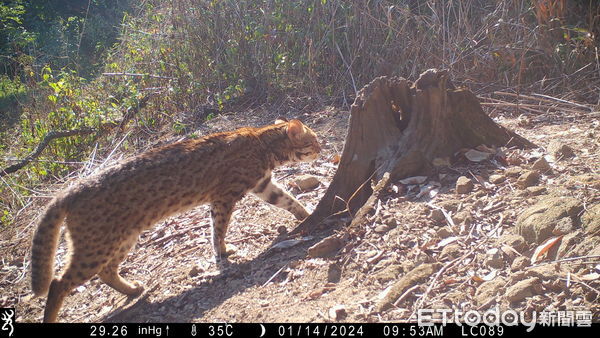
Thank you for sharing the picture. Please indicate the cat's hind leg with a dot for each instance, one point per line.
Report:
(110, 272)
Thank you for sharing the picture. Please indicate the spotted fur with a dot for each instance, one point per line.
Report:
(104, 214)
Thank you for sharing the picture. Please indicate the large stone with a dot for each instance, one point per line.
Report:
(521, 290)
(590, 221)
(537, 222)
(489, 289)
(391, 272)
(568, 242)
(520, 263)
(515, 241)
(418, 275)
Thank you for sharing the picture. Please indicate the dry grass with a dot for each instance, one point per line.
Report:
(217, 52)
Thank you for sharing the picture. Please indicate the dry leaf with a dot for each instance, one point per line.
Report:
(315, 294)
(543, 248)
(477, 156)
(447, 241)
(490, 275)
(414, 180)
(590, 276)
(336, 159)
(431, 189)
(477, 279)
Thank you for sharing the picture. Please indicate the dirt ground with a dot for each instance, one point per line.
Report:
(477, 259)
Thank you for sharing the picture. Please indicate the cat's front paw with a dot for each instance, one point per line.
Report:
(301, 214)
(226, 252)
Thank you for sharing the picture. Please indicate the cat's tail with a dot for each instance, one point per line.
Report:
(43, 248)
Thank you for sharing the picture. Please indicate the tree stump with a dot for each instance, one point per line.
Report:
(396, 130)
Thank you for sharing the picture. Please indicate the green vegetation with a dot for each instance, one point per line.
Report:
(68, 64)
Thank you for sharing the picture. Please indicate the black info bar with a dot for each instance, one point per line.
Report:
(259, 330)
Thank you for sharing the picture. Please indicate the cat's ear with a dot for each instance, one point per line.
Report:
(295, 128)
(281, 120)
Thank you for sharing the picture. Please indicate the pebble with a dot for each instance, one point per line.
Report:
(528, 178)
(464, 185)
(307, 182)
(497, 179)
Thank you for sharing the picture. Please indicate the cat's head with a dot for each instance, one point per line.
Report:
(305, 145)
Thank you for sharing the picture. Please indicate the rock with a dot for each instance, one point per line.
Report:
(326, 248)
(515, 241)
(391, 222)
(391, 272)
(334, 273)
(418, 275)
(513, 171)
(445, 232)
(568, 242)
(194, 271)
(450, 205)
(590, 220)
(497, 179)
(463, 217)
(546, 272)
(437, 215)
(338, 312)
(521, 290)
(489, 289)
(494, 258)
(589, 246)
(541, 165)
(527, 179)
(537, 222)
(560, 150)
(586, 179)
(563, 226)
(520, 263)
(464, 185)
(307, 182)
(381, 228)
(450, 251)
(536, 191)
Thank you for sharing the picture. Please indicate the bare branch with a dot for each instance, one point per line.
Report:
(38, 150)
(67, 133)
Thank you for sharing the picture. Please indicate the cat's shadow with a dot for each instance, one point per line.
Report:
(234, 278)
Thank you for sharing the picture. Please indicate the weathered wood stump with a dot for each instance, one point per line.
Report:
(396, 130)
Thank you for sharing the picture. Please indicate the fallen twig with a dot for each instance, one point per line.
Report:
(570, 259)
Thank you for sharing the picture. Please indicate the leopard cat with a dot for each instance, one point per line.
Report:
(105, 213)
